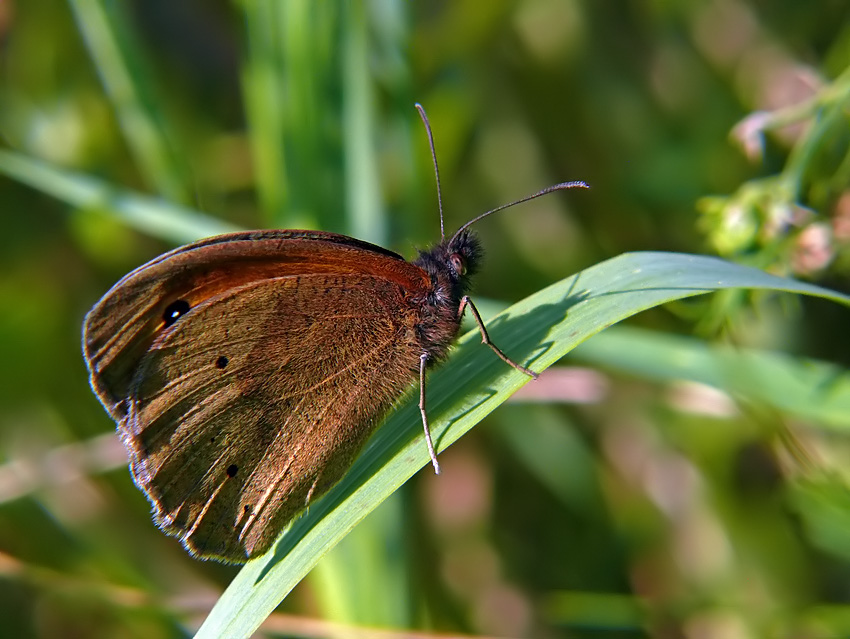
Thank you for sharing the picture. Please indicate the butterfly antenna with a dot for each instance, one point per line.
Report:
(427, 124)
(555, 187)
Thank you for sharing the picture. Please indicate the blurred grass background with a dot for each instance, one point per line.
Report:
(615, 503)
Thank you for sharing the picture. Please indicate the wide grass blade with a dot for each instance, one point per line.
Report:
(536, 332)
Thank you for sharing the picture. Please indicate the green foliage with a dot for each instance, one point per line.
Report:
(650, 484)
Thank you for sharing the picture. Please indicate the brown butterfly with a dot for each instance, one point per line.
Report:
(246, 371)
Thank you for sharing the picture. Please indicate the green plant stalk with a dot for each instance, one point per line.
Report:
(263, 95)
(827, 110)
(364, 205)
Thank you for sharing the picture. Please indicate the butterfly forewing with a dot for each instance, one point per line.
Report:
(120, 328)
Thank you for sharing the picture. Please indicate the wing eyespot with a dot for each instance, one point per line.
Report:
(174, 312)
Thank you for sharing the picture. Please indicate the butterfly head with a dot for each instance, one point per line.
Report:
(452, 262)
(463, 253)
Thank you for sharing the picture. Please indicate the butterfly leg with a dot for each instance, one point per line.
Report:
(423, 361)
(485, 338)
(311, 491)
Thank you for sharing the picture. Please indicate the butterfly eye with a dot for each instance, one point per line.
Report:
(457, 264)
(175, 311)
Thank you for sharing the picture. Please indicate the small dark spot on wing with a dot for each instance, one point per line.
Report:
(232, 470)
(222, 362)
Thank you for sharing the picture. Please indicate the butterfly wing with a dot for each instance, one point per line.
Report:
(124, 323)
(257, 397)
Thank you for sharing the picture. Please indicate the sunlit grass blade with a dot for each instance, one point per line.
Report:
(813, 390)
(308, 57)
(364, 205)
(291, 66)
(537, 332)
(153, 216)
(264, 97)
(121, 66)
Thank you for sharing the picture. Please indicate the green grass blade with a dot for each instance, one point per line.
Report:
(264, 97)
(537, 332)
(121, 66)
(364, 205)
(155, 217)
(290, 68)
(810, 389)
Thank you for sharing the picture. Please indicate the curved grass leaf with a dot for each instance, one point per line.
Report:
(151, 215)
(536, 332)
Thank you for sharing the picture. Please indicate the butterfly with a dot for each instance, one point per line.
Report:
(246, 371)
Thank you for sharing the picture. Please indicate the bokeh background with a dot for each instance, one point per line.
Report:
(609, 502)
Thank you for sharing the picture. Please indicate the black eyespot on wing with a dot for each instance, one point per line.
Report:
(222, 362)
(175, 311)
(232, 470)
